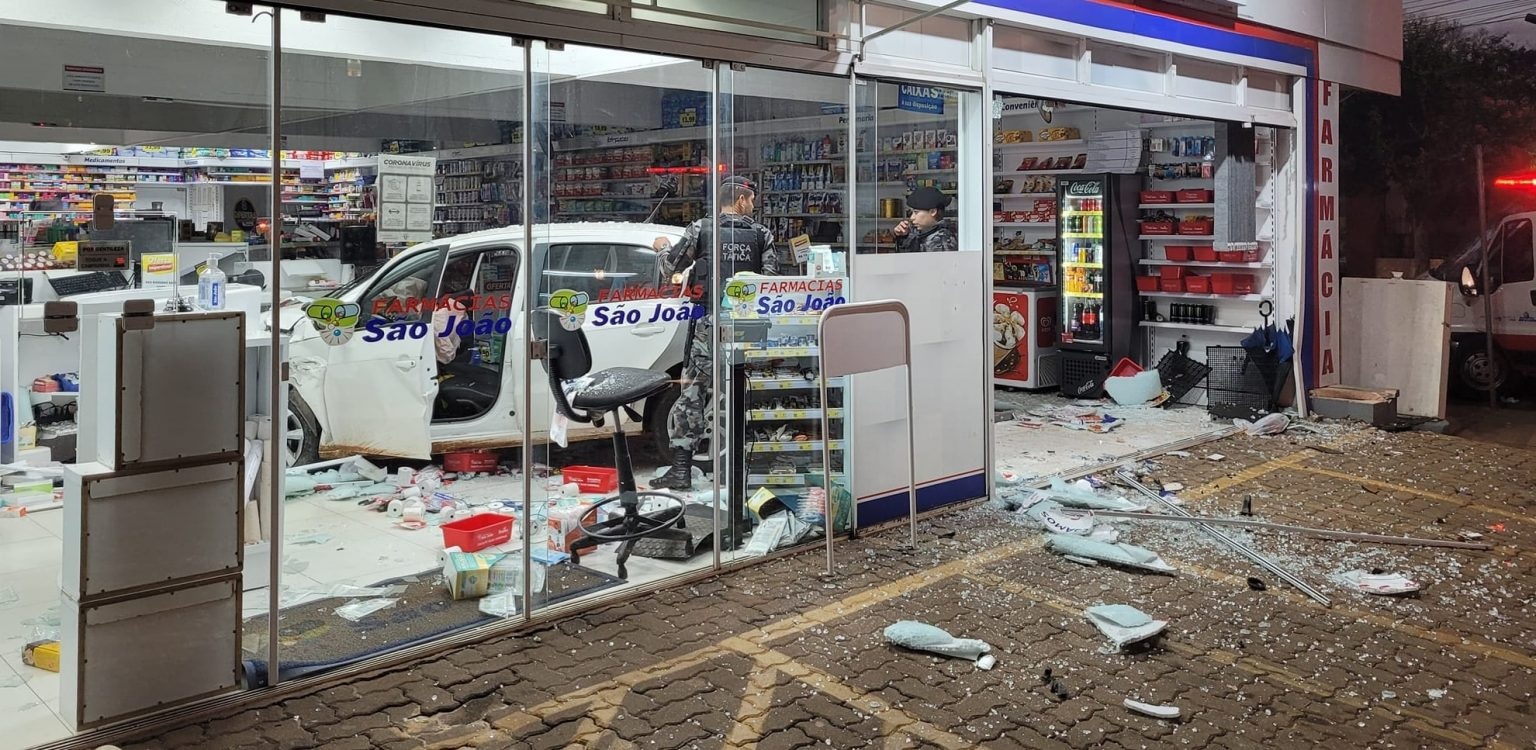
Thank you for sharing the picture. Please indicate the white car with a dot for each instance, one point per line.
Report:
(380, 390)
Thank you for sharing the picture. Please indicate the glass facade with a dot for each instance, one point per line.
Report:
(512, 325)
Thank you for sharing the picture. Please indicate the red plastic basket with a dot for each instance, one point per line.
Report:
(1178, 252)
(594, 479)
(1205, 253)
(478, 532)
(1175, 284)
(1146, 283)
(1197, 284)
(470, 461)
(1124, 368)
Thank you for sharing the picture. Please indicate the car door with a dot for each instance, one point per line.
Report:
(379, 384)
(1514, 296)
(632, 319)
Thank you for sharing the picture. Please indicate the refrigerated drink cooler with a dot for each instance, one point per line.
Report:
(1096, 228)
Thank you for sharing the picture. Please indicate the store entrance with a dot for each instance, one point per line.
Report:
(1126, 242)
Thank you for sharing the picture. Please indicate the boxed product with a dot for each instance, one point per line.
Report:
(565, 525)
(1196, 195)
(41, 654)
(468, 574)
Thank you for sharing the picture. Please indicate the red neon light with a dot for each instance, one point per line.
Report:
(1515, 182)
(676, 170)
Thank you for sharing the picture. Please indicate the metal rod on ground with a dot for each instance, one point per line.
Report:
(1348, 536)
(1237, 546)
(1482, 283)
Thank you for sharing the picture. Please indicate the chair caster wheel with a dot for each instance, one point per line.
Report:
(623, 572)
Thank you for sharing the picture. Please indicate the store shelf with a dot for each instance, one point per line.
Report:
(55, 396)
(1085, 295)
(792, 162)
(1177, 238)
(781, 352)
(1082, 265)
(1209, 297)
(1037, 145)
(805, 216)
(785, 415)
(1027, 224)
(1044, 253)
(1082, 235)
(1021, 196)
(801, 446)
(1202, 263)
(950, 170)
(1032, 172)
(789, 384)
(1158, 206)
(1178, 125)
(1197, 327)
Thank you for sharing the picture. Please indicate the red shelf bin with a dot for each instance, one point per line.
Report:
(1205, 253)
(1156, 227)
(1195, 195)
(1197, 284)
(1197, 226)
(1147, 283)
(1157, 197)
(1179, 252)
(478, 532)
(591, 479)
(1175, 284)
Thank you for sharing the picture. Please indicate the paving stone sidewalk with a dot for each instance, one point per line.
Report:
(777, 657)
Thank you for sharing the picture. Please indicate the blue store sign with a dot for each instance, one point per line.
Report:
(926, 99)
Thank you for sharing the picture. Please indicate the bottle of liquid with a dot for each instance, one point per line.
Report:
(210, 285)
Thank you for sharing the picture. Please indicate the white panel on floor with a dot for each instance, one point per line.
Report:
(943, 293)
(174, 647)
(1398, 336)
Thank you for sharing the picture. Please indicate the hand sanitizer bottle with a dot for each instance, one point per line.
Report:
(210, 285)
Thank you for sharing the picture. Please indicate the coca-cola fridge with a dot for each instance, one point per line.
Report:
(1096, 232)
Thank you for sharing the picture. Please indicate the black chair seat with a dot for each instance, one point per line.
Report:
(617, 386)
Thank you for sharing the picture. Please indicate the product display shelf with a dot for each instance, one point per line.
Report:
(1197, 327)
(1039, 146)
(1175, 206)
(1207, 297)
(1203, 263)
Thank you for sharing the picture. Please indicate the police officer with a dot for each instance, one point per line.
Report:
(926, 230)
(745, 246)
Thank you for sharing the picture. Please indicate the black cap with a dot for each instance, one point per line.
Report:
(741, 182)
(925, 198)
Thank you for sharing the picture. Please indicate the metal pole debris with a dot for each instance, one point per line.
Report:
(1347, 536)
(1235, 545)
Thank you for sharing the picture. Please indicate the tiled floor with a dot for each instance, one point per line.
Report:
(1043, 451)
(30, 554)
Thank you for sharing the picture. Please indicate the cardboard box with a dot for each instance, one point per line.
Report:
(565, 525)
(1376, 407)
(468, 574)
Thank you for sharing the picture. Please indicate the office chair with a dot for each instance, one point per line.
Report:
(610, 390)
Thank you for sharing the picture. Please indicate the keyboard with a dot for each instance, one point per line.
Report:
(86, 283)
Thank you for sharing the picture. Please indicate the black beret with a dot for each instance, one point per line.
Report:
(925, 198)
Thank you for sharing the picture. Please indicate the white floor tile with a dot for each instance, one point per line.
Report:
(25, 719)
(16, 556)
(51, 521)
(30, 594)
(23, 529)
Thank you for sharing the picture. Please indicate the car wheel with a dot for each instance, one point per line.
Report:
(656, 421)
(301, 436)
(1479, 371)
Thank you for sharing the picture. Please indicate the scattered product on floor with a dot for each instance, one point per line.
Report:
(1377, 582)
(1124, 625)
(42, 654)
(1160, 712)
(1125, 555)
(920, 636)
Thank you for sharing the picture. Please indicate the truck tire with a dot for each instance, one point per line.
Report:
(301, 436)
(1474, 370)
(656, 420)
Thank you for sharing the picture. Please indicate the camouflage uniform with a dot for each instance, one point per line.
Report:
(745, 246)
(939, 238)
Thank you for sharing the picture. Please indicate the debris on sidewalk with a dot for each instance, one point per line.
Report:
(921, 636)
(1128, 555)
(1377, 582)
(1160, 712)
(1081, 494)
(1073, 417)
(1270, 424)
(1332, 534)
(1124, 625)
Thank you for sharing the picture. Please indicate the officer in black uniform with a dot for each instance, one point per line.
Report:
(926, 230)
(745, 246)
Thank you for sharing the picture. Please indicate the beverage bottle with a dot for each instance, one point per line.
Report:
(210, 285)
(1076, 324)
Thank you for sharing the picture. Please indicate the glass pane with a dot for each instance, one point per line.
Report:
(915, 142)
(787, 138)
(99, 206)
(790, 14)
(627, 141)
(402, 245)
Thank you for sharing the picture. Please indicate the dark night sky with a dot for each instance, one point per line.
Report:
(1482, 14)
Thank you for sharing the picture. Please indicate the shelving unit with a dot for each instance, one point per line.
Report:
(781, 414)
(477, 188)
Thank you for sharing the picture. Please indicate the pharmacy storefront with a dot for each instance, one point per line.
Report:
(334, 333)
